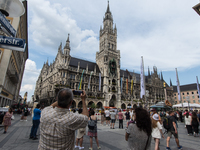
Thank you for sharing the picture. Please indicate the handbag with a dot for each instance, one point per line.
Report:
(13, 117)
(91, 124)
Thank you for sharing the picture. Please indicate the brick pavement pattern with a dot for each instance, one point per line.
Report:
(17, 138)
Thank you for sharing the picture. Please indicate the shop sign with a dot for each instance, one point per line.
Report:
(6, 25)
(12, 43)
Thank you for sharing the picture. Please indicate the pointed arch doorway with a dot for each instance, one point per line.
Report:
(112, 101)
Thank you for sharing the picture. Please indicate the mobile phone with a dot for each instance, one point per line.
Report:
(78, 92)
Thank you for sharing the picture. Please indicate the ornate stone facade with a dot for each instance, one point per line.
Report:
(66, 71)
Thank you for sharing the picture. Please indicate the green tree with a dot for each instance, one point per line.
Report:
(93, 105)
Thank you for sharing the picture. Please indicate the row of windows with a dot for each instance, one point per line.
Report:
(193, 97)
(187, 93)
(185, 101)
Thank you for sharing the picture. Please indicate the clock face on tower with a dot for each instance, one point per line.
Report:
(111, 37)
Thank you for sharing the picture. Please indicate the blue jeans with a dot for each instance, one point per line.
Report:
(34, 128)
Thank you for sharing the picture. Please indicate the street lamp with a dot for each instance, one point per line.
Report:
(12, 8)
(197, 8)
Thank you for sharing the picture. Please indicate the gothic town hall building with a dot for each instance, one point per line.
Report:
(118, 88)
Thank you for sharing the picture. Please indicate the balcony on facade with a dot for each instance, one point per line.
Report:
(13, 75)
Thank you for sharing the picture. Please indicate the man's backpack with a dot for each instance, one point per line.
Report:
(166, 123)
(91, 124)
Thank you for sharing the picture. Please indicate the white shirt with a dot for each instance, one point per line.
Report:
(188, 120)
(156, 131)
(131, 114)
(107, 112)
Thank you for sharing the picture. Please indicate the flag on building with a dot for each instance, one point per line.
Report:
(80, 84)
(198, 87)
(90, 79)
(126, 86)
(142, 80)
(178, 86)
(131, 87)
(99, 81)
(121, 84)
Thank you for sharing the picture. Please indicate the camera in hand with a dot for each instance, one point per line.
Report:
(77, 92)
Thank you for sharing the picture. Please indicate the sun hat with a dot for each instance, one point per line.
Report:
(155, 117)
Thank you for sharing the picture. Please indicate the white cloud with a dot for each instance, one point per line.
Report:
(165, 33)
(31, 74)
(51, 23)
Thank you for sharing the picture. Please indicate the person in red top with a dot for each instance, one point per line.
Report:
(121, 117)
(186, 111)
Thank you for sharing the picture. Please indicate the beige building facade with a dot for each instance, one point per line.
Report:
(12, 62)
(109, 85)
(188, 92)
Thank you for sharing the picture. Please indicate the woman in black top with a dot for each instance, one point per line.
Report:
(195, 124)
(25, 113)
(127, 114)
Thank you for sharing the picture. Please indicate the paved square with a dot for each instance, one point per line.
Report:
(17, 138)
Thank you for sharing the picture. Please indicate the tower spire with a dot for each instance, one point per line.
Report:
(108, 14)
(68, 38)
(60, 47)
(161, 76)
(149, 72)
(170, 82)
(67, 43)
(108, 8)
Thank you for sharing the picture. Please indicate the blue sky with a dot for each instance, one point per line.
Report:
(165, 33)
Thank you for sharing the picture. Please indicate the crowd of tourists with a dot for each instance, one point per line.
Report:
(58, 124)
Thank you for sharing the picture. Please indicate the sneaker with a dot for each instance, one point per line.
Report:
(168, 148)
(90, 148)
(4, 132)
(31, 137)
(76, 146)
(99, 147)
(81, 147)
(180, 147)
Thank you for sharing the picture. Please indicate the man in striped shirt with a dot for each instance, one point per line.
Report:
(58, 124)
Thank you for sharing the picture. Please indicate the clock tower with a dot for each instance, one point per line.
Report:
(108, 60)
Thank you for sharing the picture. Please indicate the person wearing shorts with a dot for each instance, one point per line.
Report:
(107, 114)
(172, 131)
(127, 114)
(113, 118)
